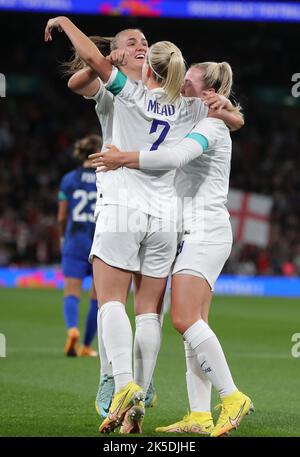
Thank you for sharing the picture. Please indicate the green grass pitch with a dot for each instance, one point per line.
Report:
(43, 393)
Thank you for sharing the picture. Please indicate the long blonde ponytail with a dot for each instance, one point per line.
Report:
(168, 67)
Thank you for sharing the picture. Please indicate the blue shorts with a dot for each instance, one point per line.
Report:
(73, 267)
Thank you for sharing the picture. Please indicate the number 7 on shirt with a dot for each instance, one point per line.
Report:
(166, 127)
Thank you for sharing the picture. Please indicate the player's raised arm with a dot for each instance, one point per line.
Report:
(84, 82)
(85, 48)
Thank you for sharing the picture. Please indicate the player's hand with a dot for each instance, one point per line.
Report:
(111, 159)
(96, 159)
(118, 57)
(216, 101)
(51, 25)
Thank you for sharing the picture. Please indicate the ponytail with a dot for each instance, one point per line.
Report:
(225, 78)
(168, 67)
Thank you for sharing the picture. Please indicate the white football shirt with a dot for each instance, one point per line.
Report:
(105, 110)
(143, 119)
(202, 182)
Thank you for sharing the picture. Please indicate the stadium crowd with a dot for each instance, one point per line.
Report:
(40, 120)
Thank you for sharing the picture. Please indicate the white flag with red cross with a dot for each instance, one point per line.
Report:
(249, 215)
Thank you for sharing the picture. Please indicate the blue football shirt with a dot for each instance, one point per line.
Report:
(78, 187)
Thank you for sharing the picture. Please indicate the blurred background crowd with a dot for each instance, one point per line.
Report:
(40, 120)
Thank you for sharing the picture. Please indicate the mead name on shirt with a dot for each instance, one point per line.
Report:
(163, 110)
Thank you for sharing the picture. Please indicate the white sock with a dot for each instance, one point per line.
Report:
(210, 356)
(198, 384)
(105, 366)
(146, 347)
(117, 337)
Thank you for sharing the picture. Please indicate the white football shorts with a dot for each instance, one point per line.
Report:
(129, 239)
(204, 260)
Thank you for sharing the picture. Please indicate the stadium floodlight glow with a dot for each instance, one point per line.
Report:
(271, 11)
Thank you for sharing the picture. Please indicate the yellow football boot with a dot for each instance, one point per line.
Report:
(193, 422)
(131, 395)
(234, 408)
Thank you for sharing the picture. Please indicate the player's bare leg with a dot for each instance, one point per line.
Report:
(191, 298)
(111, 283)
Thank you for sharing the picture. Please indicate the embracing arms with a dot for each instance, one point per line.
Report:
(221, 107)
(162, 159)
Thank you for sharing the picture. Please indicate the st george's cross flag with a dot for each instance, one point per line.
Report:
(249, 215)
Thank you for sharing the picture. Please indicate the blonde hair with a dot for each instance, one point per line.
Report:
(218, 75)
(86, 146)
(168, 67)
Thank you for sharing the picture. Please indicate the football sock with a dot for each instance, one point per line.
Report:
(210, 356)
(71, 310)
(146, 347)
(198, 384)
(105, 366)
(91, 323)
(117, 337)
